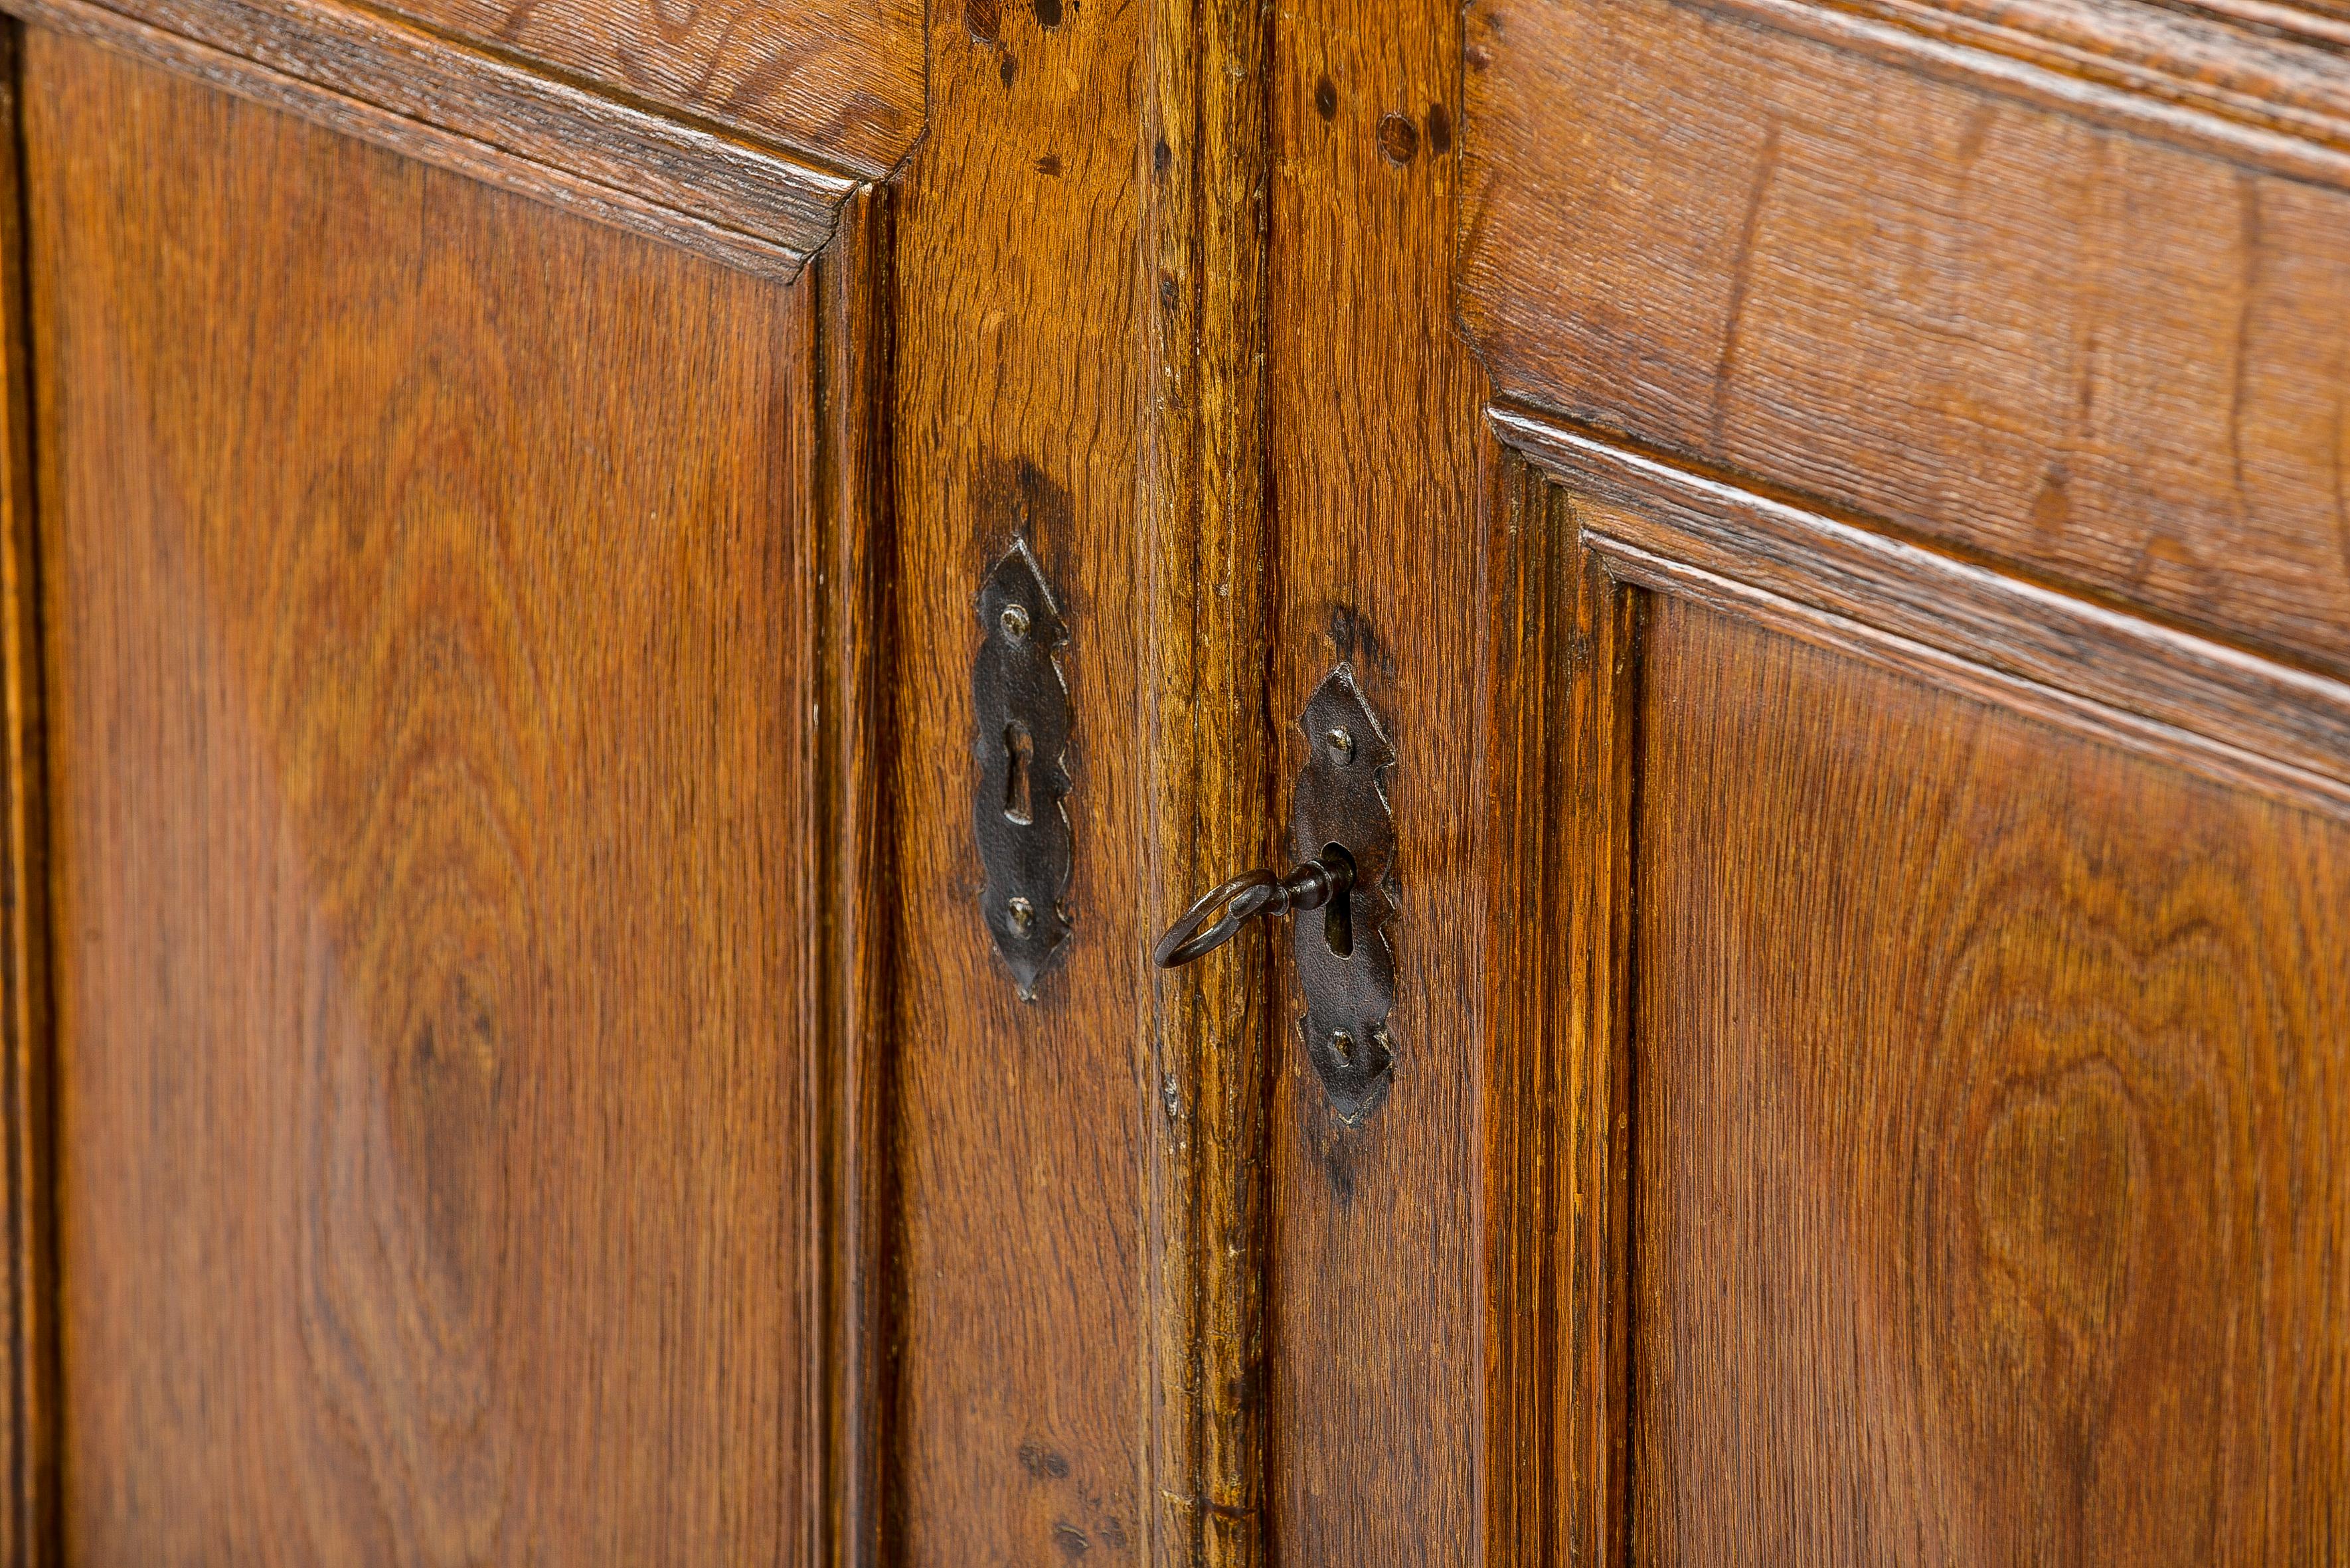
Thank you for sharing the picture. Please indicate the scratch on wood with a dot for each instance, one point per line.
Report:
(1741, 275)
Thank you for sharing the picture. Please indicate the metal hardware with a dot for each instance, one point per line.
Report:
(1022, 708)
(1311, 886)
(1341, 800)
(1343, 835)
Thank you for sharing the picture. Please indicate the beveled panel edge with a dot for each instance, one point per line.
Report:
(2236, 89)
(30, 1490)
(427, 98)
(2237, 717)
(850, 949)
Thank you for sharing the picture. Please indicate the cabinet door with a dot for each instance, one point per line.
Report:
(454, 1015)
(1945, 446)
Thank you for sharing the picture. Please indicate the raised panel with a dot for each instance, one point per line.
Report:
(439, 1035)
(1989, 1189)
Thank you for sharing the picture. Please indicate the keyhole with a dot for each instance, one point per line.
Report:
(1019, 754)
(1337, 926)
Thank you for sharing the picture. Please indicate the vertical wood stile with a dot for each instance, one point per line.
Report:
(850, 1151)
(1598, 770)
(27, 1524)
(1562, 683)
(1205, 736)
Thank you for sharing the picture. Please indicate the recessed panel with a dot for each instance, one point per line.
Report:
(427, 621)
(1991, 1149)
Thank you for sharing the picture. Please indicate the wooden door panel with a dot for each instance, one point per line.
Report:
(1990, 1202)
(736, 132)
(2091, 335)
(842, 80)
(430, 648)
(1930, 625)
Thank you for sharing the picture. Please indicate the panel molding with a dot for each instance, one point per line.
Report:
(851, 867)
(2260, 83)
(1207, 752)
(658, 174)
(1563, 691)
(28, 1478)
(2231, 714)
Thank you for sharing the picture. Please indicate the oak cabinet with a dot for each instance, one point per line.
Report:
(579, 984)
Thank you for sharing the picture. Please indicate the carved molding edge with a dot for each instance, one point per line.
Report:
(2258, 83)
(2227, 712)
(444, 103)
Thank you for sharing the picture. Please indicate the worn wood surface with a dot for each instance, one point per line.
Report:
(2261, 77)
(1957, 312)
(2233, 715)
(1563, 669)
(28, 1436)
(617, 162)
(1207, 748)
(846, 826)
(427, 587)
(1376, 1300)
(1992, 1192)
(838, 78)
(1020, 1417)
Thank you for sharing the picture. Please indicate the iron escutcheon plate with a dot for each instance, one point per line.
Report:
(1341, 799)
(1022, 732)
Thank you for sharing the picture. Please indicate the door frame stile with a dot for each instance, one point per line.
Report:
(1204, 508)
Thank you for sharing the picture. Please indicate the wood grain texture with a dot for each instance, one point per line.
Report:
(2234, 716)
(1207, 747)
(1562, 771)
(418, 95)
(28, 1437)
(430, 677)
(1992, 1102)
(847, 823)
(1376, 1304)
(1020, 1413)
(835, 81)
(841, 79)
(1949, 312)
(2255, 79)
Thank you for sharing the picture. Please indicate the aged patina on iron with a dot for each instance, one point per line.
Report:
(1021, 731)
(1343, 836)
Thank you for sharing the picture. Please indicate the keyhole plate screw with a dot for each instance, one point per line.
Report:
(1342, 745)
(1014, 621)
(1022, 913)
(1342, 1046)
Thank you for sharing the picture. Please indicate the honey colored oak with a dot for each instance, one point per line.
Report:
(1379, 560)
(844, 81)
(1972, 307)
(1837, 504)
(1993, 1157)
(426, 588)
(1018, 1432)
